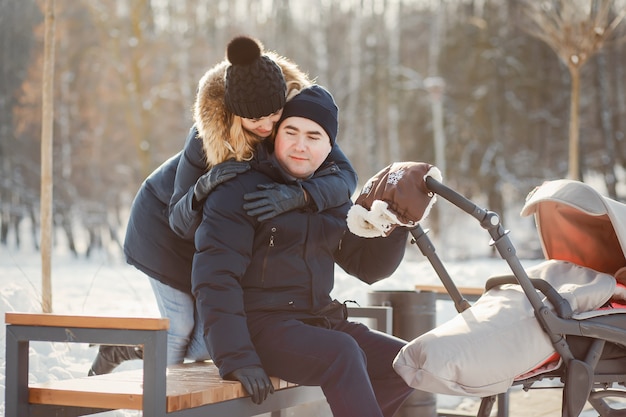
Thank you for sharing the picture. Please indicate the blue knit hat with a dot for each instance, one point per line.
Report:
(317, 104)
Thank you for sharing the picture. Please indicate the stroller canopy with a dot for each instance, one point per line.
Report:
(579, 225)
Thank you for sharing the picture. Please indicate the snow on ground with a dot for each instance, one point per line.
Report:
(106, 285)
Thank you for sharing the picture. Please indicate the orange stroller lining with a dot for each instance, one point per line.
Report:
(571, 235)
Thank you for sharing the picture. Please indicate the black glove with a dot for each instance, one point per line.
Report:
(274, 199)
(255, 381)
(218, 174)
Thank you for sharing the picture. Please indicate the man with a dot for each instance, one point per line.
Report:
(262, 288)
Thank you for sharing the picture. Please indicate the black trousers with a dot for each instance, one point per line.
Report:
(350, 362)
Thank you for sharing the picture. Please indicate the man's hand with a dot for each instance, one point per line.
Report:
(255, 381)
(274, 199)
(218, 174)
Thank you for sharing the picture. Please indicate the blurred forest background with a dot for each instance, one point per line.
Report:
(485, 89)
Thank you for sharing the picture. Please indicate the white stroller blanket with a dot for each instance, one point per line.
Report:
(482, 350)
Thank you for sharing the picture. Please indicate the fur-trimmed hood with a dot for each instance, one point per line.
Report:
(214, 122)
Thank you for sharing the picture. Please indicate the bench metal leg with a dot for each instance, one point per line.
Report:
(16, 373)
(154, 378)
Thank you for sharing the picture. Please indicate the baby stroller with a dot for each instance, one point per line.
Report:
(574, 330)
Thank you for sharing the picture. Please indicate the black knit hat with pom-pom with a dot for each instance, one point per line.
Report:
(255, 86)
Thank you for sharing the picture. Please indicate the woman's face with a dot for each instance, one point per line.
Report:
(301, 145)
(263, 126)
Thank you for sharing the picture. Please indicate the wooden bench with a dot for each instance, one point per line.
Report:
(470, 293)
(187, 390)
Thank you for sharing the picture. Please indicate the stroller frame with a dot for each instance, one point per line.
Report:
(590, 378)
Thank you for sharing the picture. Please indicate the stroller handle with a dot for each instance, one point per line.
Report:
(490, 221)
(486, 218)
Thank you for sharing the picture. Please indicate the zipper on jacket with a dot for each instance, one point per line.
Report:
(270, 245)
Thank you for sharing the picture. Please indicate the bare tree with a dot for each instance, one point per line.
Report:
(393, 17)
(605, 110)
(17, 19)
(575, 30)
(354, 70)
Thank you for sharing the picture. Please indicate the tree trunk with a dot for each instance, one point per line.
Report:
(619, 88)
(435, 86)
(353, 144)
(394, 10)
(606, 121)
(574, 154)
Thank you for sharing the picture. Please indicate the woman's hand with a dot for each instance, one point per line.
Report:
(274, 199)
(217, 175)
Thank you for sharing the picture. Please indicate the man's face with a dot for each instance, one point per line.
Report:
(301, 145)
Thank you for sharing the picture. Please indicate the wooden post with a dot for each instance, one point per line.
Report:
(47, 126)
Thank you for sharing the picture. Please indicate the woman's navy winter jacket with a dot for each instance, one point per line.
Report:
(247, 271)
(154, 248)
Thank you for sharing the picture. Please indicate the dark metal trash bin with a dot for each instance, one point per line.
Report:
(414, 313)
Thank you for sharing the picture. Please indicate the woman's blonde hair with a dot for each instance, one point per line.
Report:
(242, 142)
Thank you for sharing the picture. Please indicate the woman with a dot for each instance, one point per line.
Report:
(238, 102)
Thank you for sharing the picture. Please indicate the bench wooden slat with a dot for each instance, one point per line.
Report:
(89, 322)
(438, 289)
(188, 385)
(88, 392)
(192, 385)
